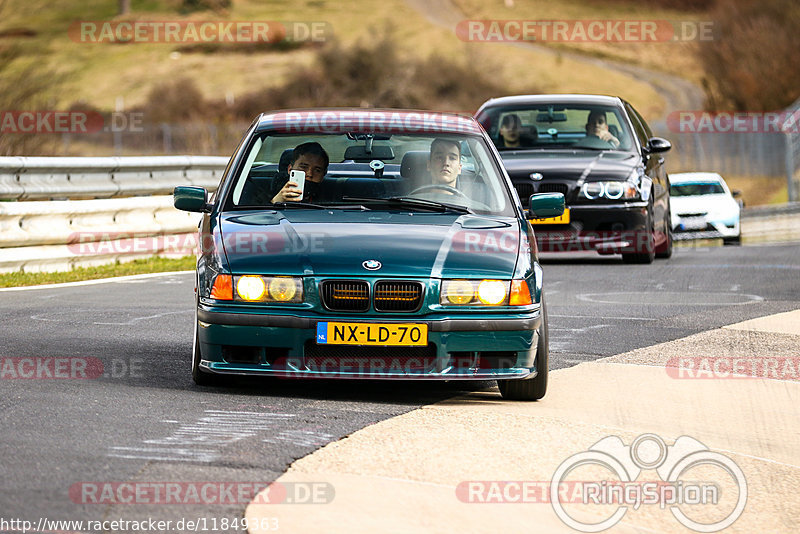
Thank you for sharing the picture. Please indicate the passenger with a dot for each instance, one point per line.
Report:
(512, 134)
(311, 158)
(597, 126)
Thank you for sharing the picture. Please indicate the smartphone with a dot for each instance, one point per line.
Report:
(299, 177)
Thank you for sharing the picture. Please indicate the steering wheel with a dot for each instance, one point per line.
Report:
(442, 187)
(474, 203)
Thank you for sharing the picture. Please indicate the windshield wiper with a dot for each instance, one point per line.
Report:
(415, 202)
(300, 205)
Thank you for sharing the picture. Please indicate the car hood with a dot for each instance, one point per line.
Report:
(703, 204)
(338, 242)
(570, 164)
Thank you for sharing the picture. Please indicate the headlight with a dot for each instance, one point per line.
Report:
(475, 293)
(492, 292)
(612, 190)
(252, 288)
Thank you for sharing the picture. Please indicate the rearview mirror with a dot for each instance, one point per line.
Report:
(359, 153)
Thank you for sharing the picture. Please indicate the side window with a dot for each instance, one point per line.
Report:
(641, 134)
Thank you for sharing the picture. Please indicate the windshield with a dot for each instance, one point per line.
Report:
(371, 171)
(544, 126)
(696, 188)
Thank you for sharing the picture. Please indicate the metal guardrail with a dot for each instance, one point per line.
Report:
(61, 234)
(767, 211)
(40, 178)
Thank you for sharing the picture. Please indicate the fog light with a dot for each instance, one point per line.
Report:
(282, 289)
(459, 292)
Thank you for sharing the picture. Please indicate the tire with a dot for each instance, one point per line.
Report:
(531, 389)
(665, 251)
(200, 377)
(650, 248)
(734, 241)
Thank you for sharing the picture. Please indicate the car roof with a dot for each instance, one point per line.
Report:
(681, 177)
(361, 120)
(602, 100)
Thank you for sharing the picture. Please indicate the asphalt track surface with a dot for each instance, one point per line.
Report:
(143, 420)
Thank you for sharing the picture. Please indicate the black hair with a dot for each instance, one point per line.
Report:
(313, 148)
(511, 118)
(441, 141)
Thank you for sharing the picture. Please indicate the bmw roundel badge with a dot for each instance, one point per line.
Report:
(371, 265)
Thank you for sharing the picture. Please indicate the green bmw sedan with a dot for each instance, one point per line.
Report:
(372, 244)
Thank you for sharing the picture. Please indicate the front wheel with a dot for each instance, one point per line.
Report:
(645, 243)
(735, 241)
(665, 250)
(531, 389)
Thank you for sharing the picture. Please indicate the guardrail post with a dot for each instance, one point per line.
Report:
(790, 166)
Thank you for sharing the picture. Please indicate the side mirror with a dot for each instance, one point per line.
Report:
(545, 205)
(658, 144)
(736, 193)
(191, 198)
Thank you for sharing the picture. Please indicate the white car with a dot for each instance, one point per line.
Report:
(703, 207)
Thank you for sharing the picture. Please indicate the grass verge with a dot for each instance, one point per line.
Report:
(139, 266)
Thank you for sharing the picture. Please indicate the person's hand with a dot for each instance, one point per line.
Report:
(288, 193)
(606, 135)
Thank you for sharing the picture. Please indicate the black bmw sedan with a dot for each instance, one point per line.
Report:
(601, 155)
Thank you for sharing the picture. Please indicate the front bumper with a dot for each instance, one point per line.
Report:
(492, 346)
(686, 228)
(607, 229)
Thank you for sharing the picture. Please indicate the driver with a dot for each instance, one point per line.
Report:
(597, 126)
(444, 162)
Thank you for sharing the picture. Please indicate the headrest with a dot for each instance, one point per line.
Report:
(414, 164)
(286, 159)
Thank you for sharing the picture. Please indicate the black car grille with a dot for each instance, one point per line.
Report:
(524, 190)
(398, 296)
(554, 188)
(345, 295)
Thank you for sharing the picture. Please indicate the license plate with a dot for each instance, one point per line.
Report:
(694, 223)
(372, 334)
(561, 219)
